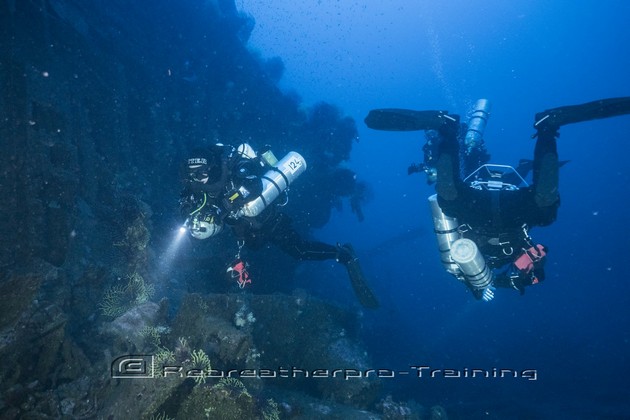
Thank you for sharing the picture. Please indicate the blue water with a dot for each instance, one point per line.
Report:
(524, 56)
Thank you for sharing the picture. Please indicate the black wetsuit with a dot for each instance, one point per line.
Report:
(495, 219)
(233, 181)
(270, 226)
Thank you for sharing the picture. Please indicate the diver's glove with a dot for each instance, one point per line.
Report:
(488, 294)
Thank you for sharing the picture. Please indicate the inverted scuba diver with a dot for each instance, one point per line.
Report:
(471, 246)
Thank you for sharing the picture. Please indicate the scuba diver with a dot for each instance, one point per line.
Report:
(482, 221)
(238, 188)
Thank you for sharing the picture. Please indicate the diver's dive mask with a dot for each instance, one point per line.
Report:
(197, 169)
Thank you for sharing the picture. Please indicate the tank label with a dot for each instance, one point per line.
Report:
(294, 165)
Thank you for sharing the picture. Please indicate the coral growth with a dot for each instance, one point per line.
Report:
(201, 364)
(119, 298)
(231, 386)
(244, 317)
(271, 411)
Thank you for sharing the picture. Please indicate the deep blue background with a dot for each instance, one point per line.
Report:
(524, 56)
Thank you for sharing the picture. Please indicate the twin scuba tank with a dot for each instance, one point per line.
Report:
(276, 180)
(460, 256)
(477, 124)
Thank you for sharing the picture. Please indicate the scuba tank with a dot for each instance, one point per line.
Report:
(446, 233)
(275, 181)
(477, 124)
(268, 157)
(472, 264)
(460, 257)
(246, 151)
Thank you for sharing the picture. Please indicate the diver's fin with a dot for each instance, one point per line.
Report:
(366, 297)
(394, 119)
(603, 108)
(347, 257)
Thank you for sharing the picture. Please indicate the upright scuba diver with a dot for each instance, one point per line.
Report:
(236, 187)
(482, 221)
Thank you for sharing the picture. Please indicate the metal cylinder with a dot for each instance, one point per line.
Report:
(473, 265)
(246, 151)
(477, 123)
(275, 181)
(446, 233)
(269, 158)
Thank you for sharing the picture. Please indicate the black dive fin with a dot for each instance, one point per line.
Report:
(603, 108)
(366, 297)
(393, 119)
